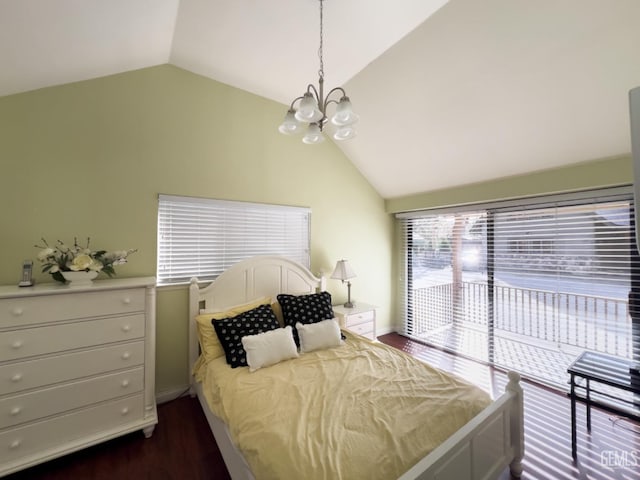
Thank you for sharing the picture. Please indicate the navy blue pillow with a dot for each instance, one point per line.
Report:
(231, 330)
(311, 308)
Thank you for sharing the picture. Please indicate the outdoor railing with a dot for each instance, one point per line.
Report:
(564, 319)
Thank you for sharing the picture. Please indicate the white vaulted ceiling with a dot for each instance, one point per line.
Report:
(449, 92)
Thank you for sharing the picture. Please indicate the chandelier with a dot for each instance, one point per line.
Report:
(312, 109)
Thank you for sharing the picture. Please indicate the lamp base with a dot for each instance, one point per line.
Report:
(349, 303)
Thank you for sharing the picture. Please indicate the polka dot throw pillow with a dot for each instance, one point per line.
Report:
(231, 330)
(306, 309)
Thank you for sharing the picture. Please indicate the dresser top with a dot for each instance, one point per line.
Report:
(56, 288)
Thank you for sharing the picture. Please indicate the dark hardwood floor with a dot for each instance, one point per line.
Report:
(182, 446)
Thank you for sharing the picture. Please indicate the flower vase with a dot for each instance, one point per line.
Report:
(79, 279)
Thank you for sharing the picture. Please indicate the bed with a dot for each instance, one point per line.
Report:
(250, 411)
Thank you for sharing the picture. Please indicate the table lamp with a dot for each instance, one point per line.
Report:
(344, 272)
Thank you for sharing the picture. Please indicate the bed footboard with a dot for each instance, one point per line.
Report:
(484, 447)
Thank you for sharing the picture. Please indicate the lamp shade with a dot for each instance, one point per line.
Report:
(308, 110)
(313, 135)
(345, 133)
(343, 271)
(290, 124)
(344, 113)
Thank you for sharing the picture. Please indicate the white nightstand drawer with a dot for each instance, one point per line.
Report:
(358, 318)
(68, 430)
(364, 329)
(16, 312)
(55, 338)
(62, 398)
(19, 376)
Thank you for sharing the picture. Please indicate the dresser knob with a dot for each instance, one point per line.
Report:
(17, 344)
(15, 444)
(16, 410)
(17, 377)
(126, 300)
(126, 328)
(17, 311)
(125, 383)
(126, 356)
(124, 411)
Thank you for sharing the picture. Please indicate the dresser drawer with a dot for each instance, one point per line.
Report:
(16, 312)
(18, 376)
(358, 318)
(67, 431)
(56, 338)
(63, 398)
(76, 367)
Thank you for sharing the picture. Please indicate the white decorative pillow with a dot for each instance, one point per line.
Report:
(269, 348)
(316, 336)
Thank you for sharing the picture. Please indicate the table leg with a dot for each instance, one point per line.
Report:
(574, 450)
(588, 407)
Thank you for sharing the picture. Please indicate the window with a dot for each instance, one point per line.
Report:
(200, 237)
(526, 286)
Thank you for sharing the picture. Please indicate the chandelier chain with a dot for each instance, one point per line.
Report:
(321, 71)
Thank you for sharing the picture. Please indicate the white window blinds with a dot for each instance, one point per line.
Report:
(201, 238)
(524, 286)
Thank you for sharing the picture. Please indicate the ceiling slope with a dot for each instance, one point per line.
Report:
(490, 89)
(270, 48)
(51, 42)
(448, 93)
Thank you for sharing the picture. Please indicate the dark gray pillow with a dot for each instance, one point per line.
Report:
(311, 308)
(231, 330)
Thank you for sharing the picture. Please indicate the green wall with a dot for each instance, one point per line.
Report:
(595, 174)
(89, 159)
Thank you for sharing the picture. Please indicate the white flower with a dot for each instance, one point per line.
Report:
(81, 262)
(46, 253)
(62, 258)
(96, 266)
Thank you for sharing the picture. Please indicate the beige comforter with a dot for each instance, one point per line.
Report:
(360, 411)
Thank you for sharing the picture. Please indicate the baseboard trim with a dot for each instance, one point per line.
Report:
(385, 330)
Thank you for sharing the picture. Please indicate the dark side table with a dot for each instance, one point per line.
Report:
(616, 372)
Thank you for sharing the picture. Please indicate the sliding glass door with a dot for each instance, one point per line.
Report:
(447, 278)
(526, 286)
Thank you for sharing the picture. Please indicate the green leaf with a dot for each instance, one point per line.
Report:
(58, 277)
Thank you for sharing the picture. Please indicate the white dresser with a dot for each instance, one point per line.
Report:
(360, 319)
(77, 367)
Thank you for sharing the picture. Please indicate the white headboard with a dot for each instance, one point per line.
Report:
(245, 281)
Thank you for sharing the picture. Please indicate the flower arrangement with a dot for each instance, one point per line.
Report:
(77, 258)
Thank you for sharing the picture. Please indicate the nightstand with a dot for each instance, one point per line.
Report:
(360, 319)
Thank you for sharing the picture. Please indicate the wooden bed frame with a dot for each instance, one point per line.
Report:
(482, 449)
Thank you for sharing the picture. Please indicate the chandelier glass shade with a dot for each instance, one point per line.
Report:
(313, 135)
(310, 109)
